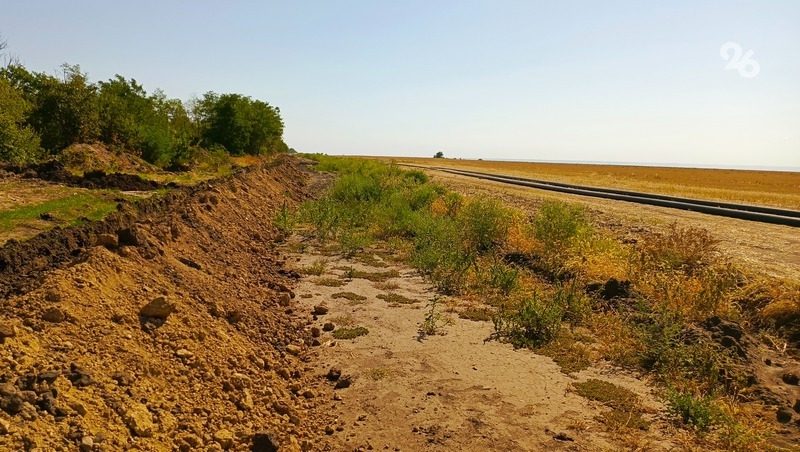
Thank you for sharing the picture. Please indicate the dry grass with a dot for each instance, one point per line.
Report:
(317, 268)
(754, 187)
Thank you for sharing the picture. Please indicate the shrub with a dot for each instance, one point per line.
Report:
(503, 277)
(558, 227)
(699, 412)
(438, 252)
(485, 223)
(533, 322)
(558, 224)
(685, 249)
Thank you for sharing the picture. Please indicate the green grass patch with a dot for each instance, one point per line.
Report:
(67, 211)
(373, 276)
(350, 332)
(351, 296)
(626, 411)
(476, 314)
(329, 282)
(396, 298)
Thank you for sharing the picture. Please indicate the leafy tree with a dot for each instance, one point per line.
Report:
(135, 121)
(65, 110)
(18, 142)
(240, 124)
(439, 155)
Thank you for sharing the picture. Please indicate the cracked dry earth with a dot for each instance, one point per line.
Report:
(450, 391)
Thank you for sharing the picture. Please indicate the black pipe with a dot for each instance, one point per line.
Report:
(740, 211)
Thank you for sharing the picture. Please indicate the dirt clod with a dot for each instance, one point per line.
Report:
(343, 382)
(333, 374)
(139, 420)
(158, 308)
(791, 378)
(7, 329)
(320, 309)
(262, 442)
(109, 241)
(784, 415)
(328, 326)
(54, 315)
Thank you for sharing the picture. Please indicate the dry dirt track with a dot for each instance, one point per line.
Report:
(454, 391)
(772, 249)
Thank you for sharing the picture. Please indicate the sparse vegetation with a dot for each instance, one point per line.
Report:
(435, 321)
(329, 282)
(350, 332)
(625, 410)
(396, 298)
(350, 296)
(533, 270)
(373, 276)
(317, 268)
(476, 314)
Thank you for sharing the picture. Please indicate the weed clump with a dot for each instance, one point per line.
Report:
(350, 332)
(536, 320)
(316, 269)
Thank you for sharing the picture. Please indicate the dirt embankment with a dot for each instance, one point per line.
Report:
(167, 326)
(54, 171)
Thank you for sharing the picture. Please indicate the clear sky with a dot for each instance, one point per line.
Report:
(624, 81)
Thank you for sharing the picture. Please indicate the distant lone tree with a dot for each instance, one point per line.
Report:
(439, 155)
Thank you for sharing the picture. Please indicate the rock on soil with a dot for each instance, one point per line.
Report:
(7, 329)
(139, 420)
(158, 308)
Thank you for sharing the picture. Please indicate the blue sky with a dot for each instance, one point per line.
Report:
(589, 81)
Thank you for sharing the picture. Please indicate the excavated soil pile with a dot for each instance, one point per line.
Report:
(54, 171)
(172, 331)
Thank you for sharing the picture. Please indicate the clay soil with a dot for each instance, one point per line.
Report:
(174, 332)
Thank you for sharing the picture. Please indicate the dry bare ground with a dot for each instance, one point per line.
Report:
(451, 390)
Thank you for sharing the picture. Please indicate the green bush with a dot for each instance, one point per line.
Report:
(484, 223)
(502, 277)
(699, 412)
(533, 322)
(439, 253)
(557, 224)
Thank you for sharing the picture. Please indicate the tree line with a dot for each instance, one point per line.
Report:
(42, 114)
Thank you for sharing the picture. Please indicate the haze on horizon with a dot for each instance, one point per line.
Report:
(637, 82)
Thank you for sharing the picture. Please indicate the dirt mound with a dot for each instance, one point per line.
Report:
(176, 334)
(55, 171)
(84, 158)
